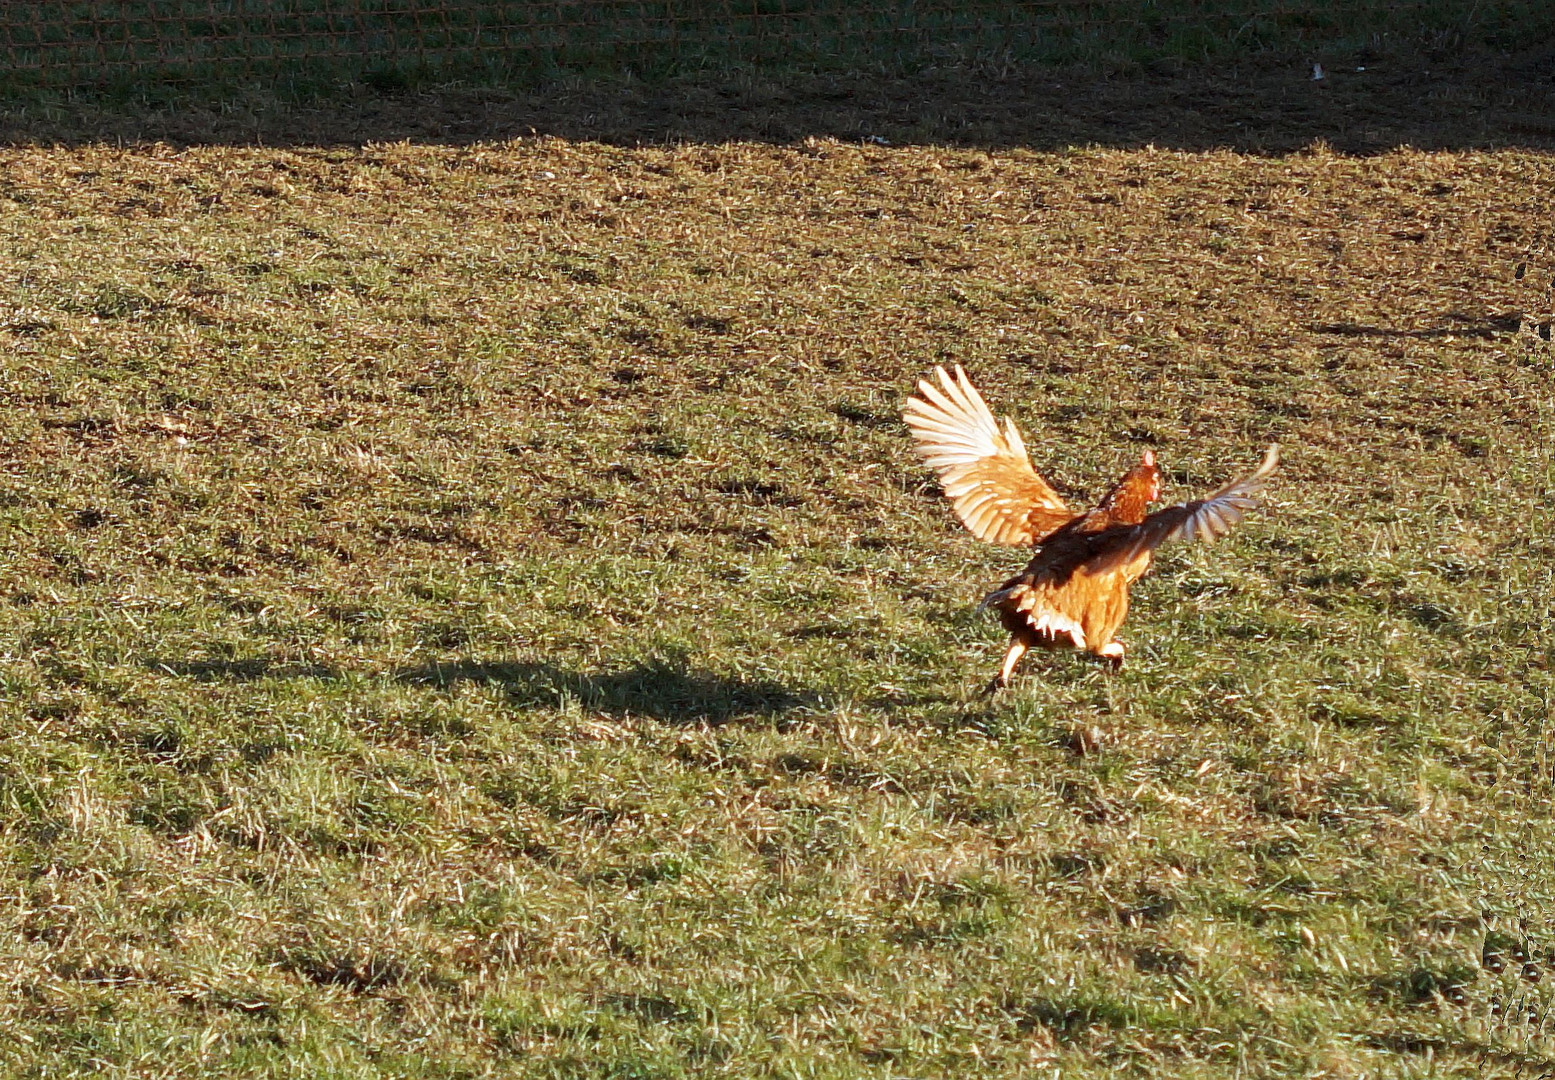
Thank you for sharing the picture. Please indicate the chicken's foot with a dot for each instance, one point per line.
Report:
(1112, 652)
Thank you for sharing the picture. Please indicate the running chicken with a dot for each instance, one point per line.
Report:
(1074, 592)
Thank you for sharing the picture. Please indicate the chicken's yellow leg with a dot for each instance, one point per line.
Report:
(1017, 650)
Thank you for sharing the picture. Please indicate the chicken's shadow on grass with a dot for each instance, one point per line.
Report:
(666, 690)
(249, 669)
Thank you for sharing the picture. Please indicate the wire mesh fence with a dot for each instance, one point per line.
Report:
(60, 43)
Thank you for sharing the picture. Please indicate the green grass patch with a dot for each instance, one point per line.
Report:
(474, 612)
(166, 53)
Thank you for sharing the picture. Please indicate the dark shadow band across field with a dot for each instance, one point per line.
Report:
(1364, 104)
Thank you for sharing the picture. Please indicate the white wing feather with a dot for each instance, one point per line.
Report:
(983, 470)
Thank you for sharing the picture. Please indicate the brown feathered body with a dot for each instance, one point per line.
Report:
(1069, 596)
(1074, 592)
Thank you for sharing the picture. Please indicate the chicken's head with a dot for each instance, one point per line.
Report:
(1150, 476)
(1129, 500)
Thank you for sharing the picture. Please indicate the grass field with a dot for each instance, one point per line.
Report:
(172, 51)
(472, 611)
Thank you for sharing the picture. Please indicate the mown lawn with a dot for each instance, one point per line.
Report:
(473, 612)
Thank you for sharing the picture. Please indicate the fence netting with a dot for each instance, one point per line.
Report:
(92, 42)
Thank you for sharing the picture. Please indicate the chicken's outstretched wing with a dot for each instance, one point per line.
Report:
(1207, 519)
(984, 469)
